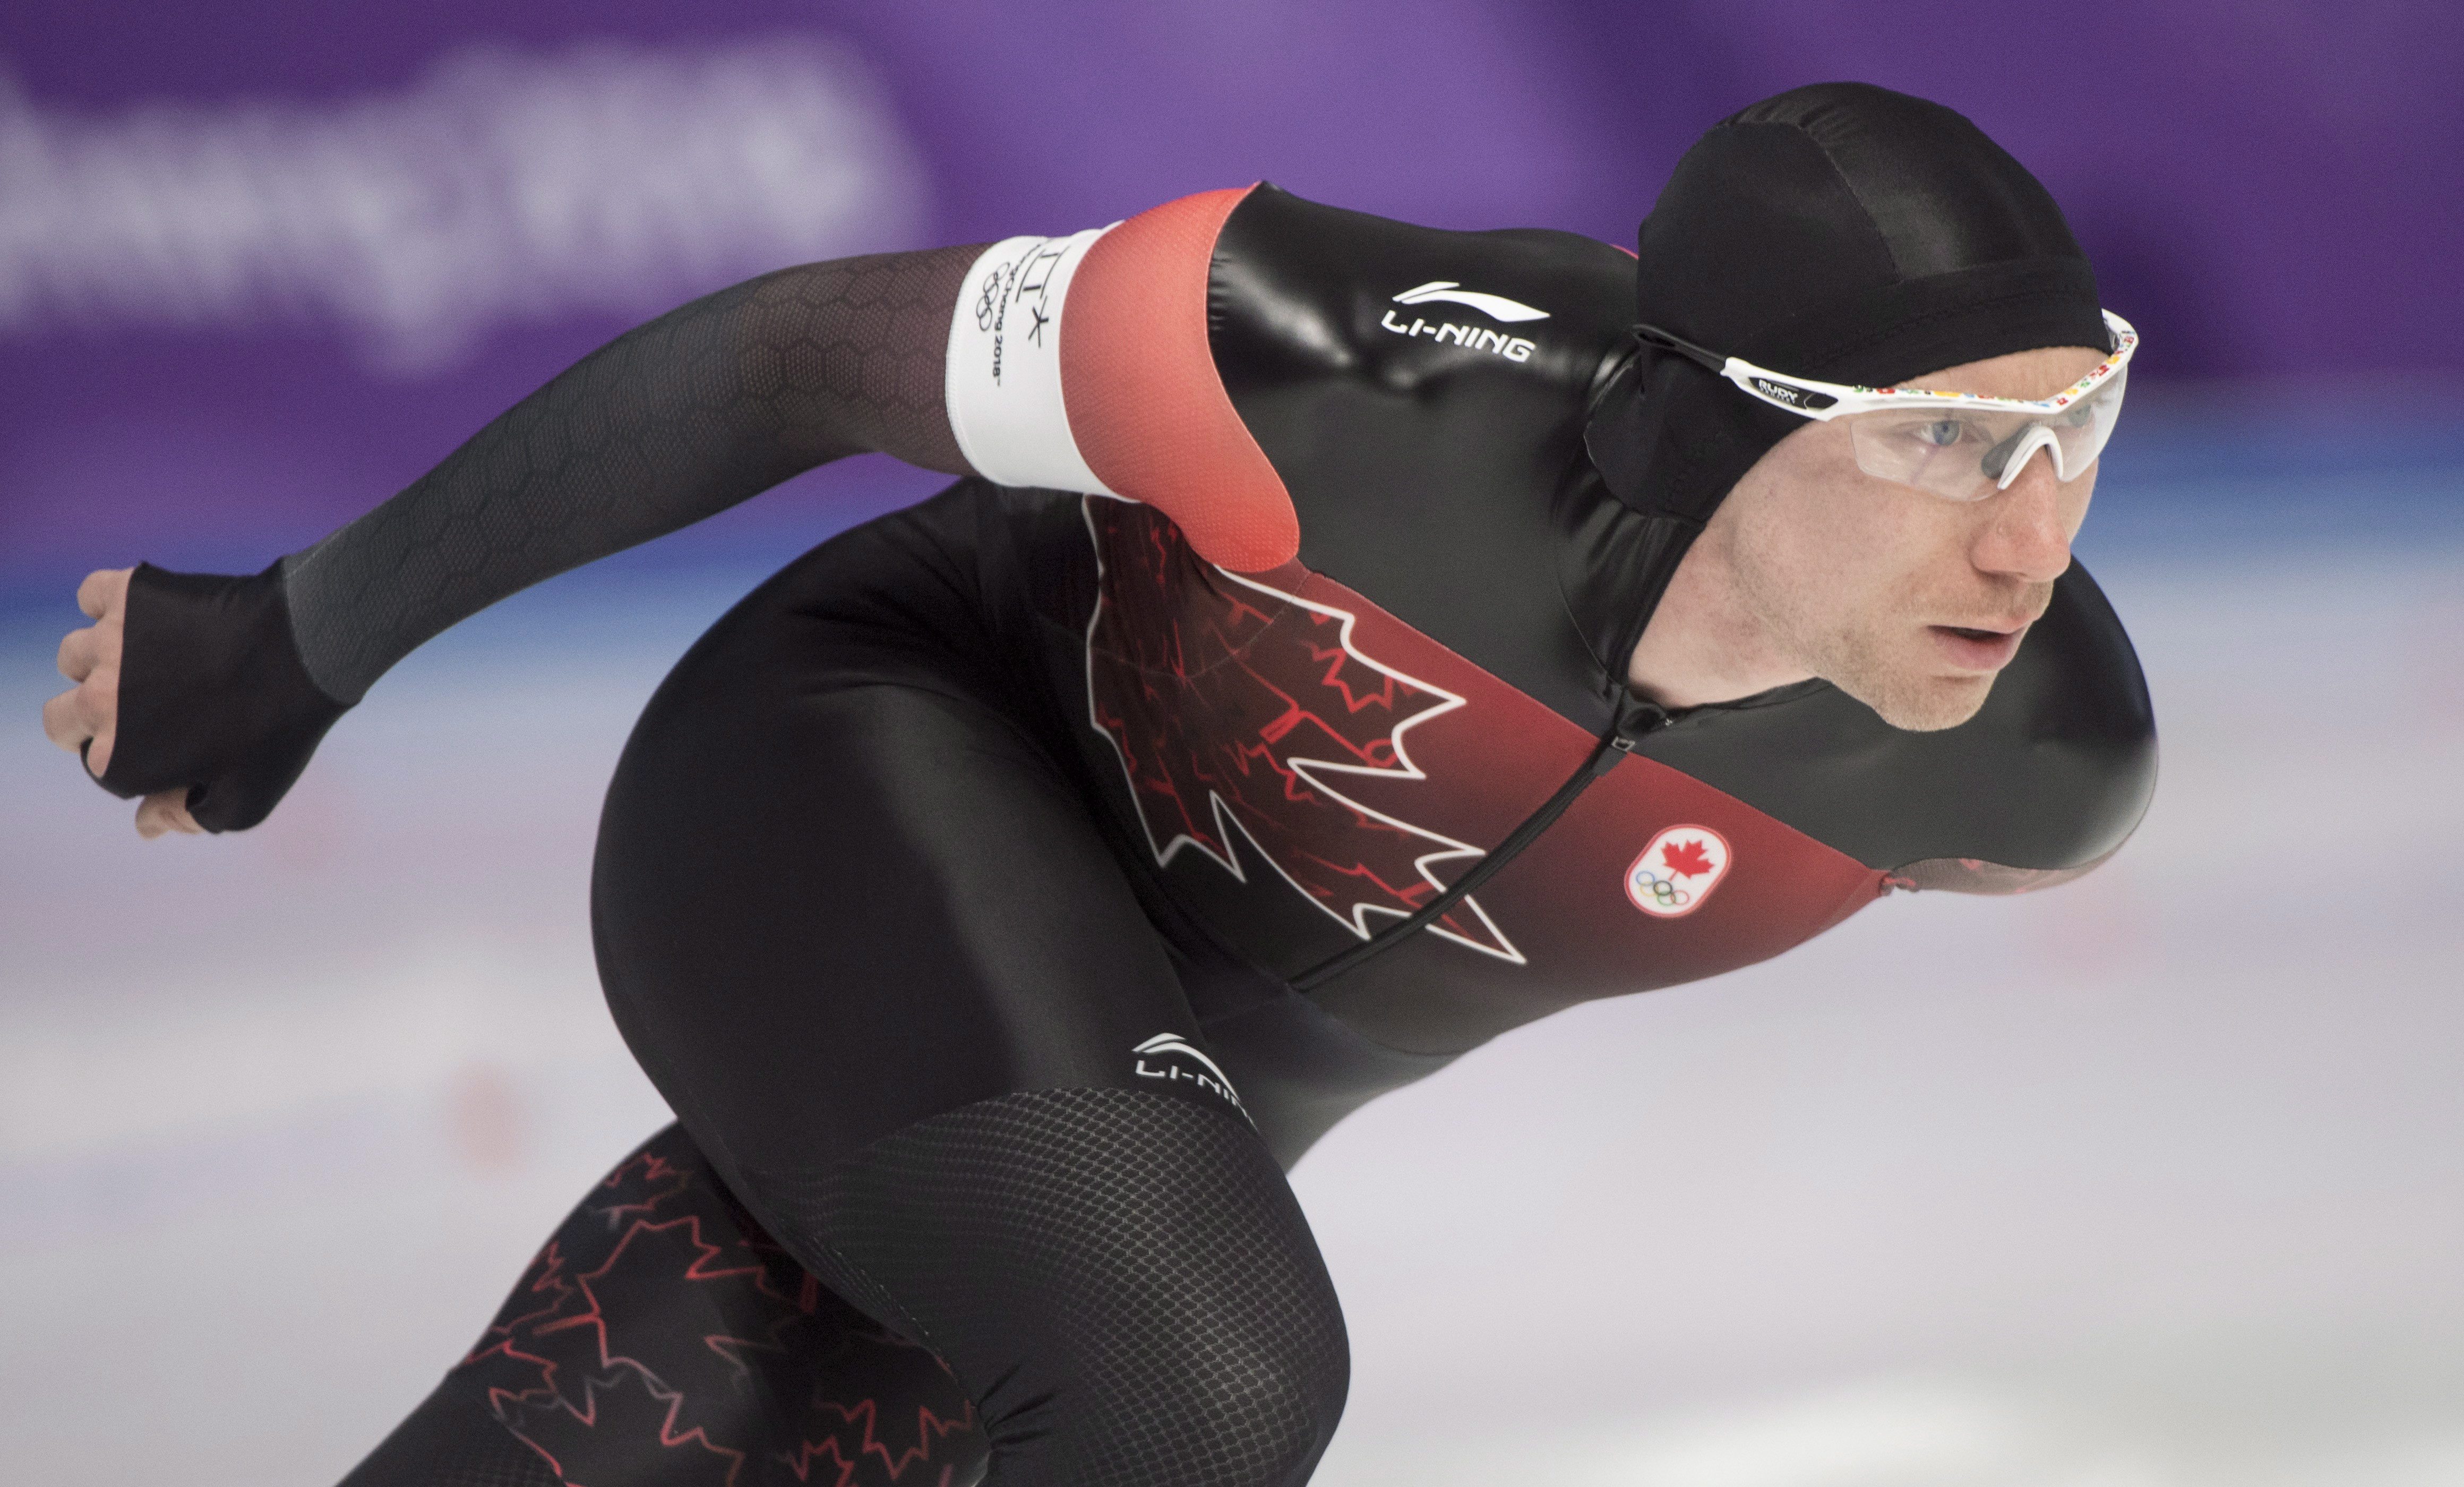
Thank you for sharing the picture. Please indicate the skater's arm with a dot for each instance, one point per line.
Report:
(206, 694)
(671, 422)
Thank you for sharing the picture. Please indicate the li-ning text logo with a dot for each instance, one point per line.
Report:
(1497, 307)
(1678, 871)
(1167, 1049)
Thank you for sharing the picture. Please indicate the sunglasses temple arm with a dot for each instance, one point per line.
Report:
(1654, 335)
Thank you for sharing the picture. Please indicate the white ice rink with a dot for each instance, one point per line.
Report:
(2152, 1181)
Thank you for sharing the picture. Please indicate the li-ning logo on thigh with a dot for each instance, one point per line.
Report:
(1168, 1050)
(1678, 871)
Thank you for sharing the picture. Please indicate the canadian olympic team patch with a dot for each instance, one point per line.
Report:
(1678, 871)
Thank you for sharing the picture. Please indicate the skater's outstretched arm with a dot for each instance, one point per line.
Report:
(206, 694)
(671, 422)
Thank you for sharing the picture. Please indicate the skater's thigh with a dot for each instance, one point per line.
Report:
(839, 888)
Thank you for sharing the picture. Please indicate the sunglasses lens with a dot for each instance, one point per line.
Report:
(1964, 453)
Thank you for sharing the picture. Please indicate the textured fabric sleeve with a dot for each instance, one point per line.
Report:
(671, 422)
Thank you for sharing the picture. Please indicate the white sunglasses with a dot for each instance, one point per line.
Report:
(1963, 446)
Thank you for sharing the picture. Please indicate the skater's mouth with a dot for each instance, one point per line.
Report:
(1974, 648)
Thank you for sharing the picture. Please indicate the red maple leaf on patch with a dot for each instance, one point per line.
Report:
(1686, 859)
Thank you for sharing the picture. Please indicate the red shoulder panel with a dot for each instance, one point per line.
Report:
(1146, 407)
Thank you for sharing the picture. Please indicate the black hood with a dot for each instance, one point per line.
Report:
(1839, 232)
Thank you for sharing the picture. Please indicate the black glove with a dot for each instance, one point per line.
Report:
(213, 695)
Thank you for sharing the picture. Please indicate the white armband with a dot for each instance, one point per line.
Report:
(1003, 388)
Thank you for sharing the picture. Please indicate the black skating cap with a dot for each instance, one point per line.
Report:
(1839, 232)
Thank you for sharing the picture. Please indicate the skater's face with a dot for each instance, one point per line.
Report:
(1909, 603)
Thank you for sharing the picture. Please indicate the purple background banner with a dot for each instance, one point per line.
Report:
(2271, 190)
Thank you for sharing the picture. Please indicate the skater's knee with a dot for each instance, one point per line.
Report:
(1247, 1400)
(1121, 1279)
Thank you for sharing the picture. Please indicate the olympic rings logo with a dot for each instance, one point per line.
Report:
(1664, 891)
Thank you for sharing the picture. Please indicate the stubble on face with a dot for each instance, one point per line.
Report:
(1874, 652)
(1848, 594)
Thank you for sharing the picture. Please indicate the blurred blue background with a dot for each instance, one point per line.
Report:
(2154, 1180)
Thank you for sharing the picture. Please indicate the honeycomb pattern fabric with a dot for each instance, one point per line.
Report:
(671, 422)
(1121, 1279)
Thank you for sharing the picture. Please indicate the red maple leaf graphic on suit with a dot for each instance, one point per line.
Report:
(1686, 859)
(1237, 707)
(661, 1333)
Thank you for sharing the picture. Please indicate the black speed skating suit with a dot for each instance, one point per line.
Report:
(1004, 890)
